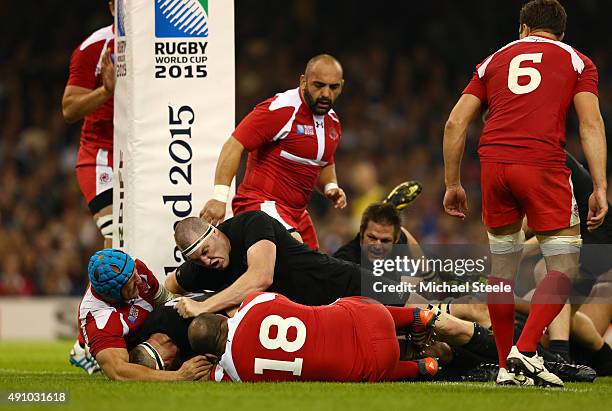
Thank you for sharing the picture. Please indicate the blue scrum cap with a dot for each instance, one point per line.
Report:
(108, 271)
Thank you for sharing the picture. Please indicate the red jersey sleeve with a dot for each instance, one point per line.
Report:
(476, 87)
(149, 285)
(588, 79)
(261, 125)
(111, 336)
(83, 68)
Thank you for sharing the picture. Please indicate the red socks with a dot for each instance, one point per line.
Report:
(402, 316)
(547, 302)
(501, 312)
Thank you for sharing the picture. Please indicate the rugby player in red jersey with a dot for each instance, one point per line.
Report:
(529, 85)
(271, 338)
(122, 293)
(291, 139)
(88, 95)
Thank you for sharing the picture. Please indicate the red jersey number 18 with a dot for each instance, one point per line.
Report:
(283, 325)
(515, 71)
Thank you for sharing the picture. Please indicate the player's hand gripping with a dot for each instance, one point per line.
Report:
(337, 196)
(108, 72)
(188, 308)
(213, 211)
(196, 368)
(598, 208)
(455, 201)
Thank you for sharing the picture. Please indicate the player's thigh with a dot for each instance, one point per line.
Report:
(499, 206)
(94, 174)
(306, 229)
(546, 196)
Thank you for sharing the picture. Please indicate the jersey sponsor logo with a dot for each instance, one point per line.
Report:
(181, 18)
(304, 129)
(319, 124)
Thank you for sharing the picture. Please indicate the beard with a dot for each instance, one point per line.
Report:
(314, 106)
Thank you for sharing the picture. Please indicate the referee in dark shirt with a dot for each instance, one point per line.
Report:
(254, 252)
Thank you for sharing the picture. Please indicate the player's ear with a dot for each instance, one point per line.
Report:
(561, 36)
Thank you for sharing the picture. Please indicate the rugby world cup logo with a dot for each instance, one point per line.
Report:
(181, 18)
(120, 13)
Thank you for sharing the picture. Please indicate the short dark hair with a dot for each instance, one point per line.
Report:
(381, 214)
(139, 355)
(545, 15)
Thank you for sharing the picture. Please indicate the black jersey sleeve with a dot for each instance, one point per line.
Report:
(193, 277)
(257, 226)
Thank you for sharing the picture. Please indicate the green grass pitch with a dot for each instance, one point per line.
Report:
(44, 367)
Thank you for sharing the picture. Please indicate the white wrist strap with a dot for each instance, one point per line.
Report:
(330, 186)
(221, 193)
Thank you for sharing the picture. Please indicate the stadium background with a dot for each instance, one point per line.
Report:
(405, 65)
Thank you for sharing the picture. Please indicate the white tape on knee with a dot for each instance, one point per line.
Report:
(506, 244)
(559, 244)
(106, 226)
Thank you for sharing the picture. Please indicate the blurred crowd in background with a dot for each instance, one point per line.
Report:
(405, 65)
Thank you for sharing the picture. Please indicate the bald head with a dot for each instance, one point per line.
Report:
(321, 83)
(189, 230)
(207, 334)
(323, 62)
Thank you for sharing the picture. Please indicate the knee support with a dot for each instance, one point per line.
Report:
(106, 226)
(508, 243)
(559, 244)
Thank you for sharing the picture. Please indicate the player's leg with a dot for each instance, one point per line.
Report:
(561, 251)
(94, 174)
(409, 370)
(506, 245)
(469, 309)
(503, 217)
(599, 312)
(548, 200)
(306, 229)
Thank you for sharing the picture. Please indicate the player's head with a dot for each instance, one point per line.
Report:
(544, 16)
(208, 334)
(380, 228)
(321, 83)
(112, 274)
(202, 243)
(159, 352)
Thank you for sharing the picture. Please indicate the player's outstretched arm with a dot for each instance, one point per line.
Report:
(227, 167)
(455, 131)
(172, 284)
(259, 276)
(593, 141)
(116, 366)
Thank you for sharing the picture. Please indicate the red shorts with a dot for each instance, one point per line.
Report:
(94, 172)
(293, 220)
(511, 191)
(376, 333)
